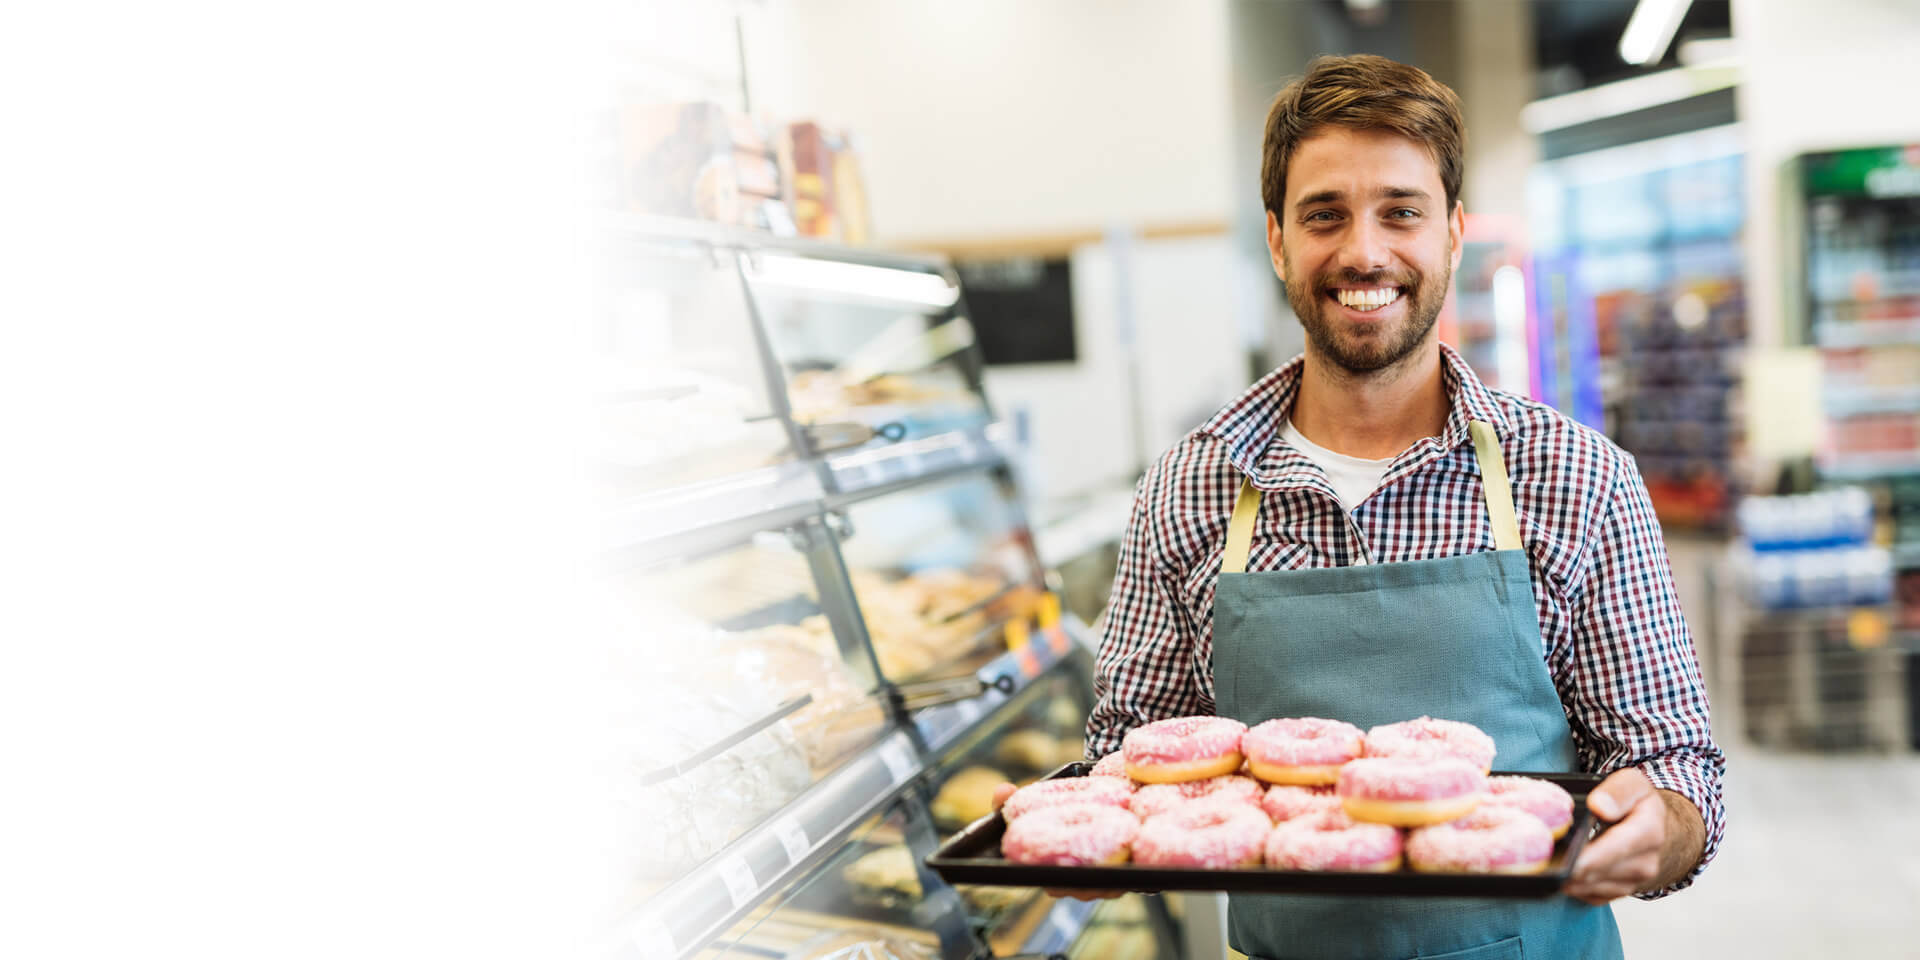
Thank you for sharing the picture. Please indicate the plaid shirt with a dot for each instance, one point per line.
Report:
(1613, 637)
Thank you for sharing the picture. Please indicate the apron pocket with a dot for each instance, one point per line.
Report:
(1508, 949)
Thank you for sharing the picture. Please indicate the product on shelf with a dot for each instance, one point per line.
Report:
(820, 396)
(787, 658)
(863, 944)
(678, 823)
(1029, 749)
(966, 796)
(884, 877)
(924, 619)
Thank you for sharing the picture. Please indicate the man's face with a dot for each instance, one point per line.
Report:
(1366, 245)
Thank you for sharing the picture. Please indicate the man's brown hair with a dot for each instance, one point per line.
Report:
(1369, 93)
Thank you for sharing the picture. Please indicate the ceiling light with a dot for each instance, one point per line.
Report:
(1651, 29)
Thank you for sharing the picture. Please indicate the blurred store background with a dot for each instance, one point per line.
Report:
(907, 294)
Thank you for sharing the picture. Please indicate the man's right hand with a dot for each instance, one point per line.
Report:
(1000, 795)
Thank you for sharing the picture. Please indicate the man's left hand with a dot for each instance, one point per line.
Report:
(1655, 839)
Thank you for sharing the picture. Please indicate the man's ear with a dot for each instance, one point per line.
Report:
(1457, 231)
(1275, 251)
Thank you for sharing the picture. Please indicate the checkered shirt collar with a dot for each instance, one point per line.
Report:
(1251, 423)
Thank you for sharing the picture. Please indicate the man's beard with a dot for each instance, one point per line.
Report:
(1424, 296)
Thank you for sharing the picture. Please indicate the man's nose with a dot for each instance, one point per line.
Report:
(1365, 247)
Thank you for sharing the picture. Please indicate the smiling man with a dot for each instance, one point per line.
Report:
(1371, 534)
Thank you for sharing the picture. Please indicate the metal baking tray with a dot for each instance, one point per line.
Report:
(973, 856)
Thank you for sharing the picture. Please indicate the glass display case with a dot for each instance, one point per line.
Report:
(831, 598)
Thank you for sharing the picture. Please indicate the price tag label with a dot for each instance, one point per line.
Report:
(898, 756)
(1029, 662)
(1057, 639)
(970, 710)
(792, 838)
(654, 940)
(738, 877)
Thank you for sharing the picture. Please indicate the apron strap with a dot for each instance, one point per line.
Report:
(1493, 482)
(1240, 528)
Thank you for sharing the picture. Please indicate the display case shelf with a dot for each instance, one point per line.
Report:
(942, 726)
(690, 913)
(873, 524)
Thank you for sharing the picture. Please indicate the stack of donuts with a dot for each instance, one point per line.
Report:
(1293, 794)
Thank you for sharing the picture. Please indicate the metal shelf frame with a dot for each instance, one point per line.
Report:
(807, 499)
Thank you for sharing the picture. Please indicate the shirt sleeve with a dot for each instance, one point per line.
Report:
(1145, 667)
(1638, 697)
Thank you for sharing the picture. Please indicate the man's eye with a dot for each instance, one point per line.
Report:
(1404, 213)
(1320, 216)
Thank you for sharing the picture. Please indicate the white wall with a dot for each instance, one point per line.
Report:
(1818, 76)
(1012, 116)
(1182, 299)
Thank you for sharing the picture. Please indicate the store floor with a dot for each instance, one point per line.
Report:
(1822, 855)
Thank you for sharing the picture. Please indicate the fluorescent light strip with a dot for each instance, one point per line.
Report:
(857, 279)
(1626, 96)
(1651, 29)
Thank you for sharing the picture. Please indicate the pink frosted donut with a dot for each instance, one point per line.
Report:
(1488, 840)
(1302, 750)
(1331, 840)
(1286, 801)
(1549, 804)
(1183, 748)
(1212, 834)
(1155, 798)
(1426, 738)
(1077, 835)
(1410, 793)
(1101, 791)
(1112, 765)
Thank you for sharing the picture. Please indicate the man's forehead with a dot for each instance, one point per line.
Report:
(1360, 163)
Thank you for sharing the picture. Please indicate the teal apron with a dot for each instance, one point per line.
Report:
(1456, 638)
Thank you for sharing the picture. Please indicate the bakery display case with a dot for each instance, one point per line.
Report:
(828, 595)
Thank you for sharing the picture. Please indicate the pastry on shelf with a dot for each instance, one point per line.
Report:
(1028, 750)
(966, 796)
(884, 878)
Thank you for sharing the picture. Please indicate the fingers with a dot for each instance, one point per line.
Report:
(1620, 792)
(1000, 795)
(1625, 859)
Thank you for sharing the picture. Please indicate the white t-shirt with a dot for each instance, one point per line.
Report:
(1353, 479)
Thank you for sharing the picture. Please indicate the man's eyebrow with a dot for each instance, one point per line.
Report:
(1385, 193)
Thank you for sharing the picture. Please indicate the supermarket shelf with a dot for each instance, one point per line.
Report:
(707, 516)
(1062, 927)
(942, 726)
(870, 473)
(1906, 556)
(722, 235)
(1875, 333)
(1859, 401)
(1862, 466)
(686, 916)
(697, 517)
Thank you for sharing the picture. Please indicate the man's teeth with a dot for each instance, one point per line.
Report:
(1368, 299)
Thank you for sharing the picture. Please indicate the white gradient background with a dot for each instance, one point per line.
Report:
(299, 655)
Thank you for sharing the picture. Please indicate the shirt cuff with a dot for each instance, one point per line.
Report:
(1698, 779)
